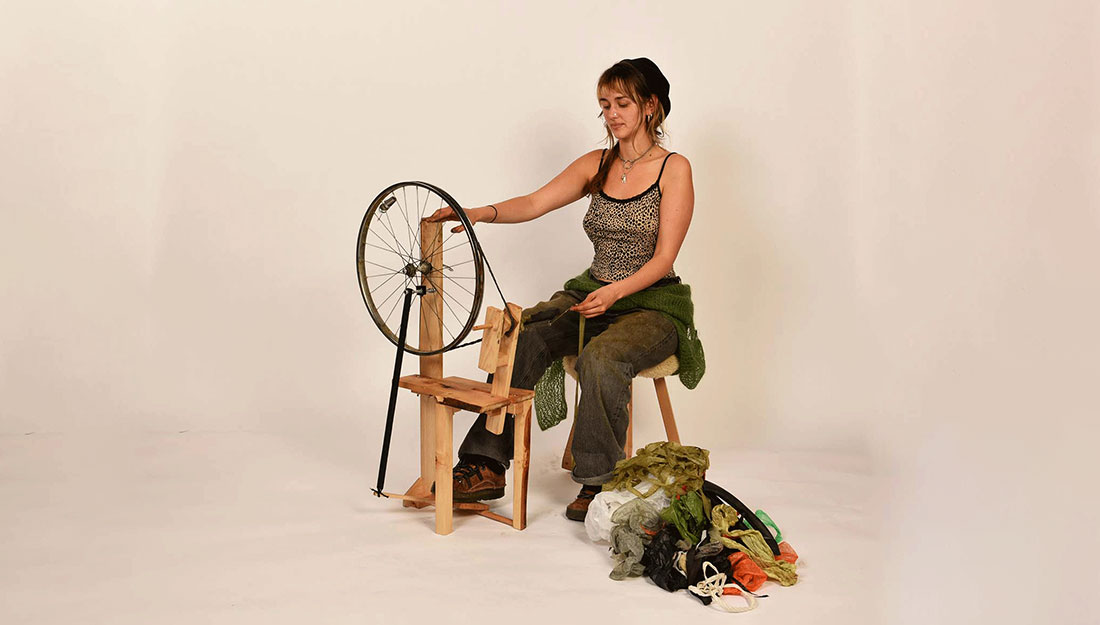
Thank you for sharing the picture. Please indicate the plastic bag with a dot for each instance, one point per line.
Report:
(597, 524)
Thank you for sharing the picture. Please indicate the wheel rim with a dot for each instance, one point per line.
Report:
(390, 258)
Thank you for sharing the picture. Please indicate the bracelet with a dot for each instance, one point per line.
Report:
(495, 213)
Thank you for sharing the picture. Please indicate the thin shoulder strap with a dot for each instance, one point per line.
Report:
(663, 168)
(602, 154)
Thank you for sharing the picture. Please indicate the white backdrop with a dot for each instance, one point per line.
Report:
(894, 247)
(186, 182)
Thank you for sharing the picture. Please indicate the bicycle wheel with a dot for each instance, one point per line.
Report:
(391, 257)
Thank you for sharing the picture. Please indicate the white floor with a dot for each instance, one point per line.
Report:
(246, 528)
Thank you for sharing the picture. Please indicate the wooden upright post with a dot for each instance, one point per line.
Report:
(502, 377)
(431, 338)
(444, 495)
(628, 447)
(521, 464)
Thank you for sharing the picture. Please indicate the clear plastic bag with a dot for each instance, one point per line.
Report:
(598, 521)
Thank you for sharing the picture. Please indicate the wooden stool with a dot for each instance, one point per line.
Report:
(657, 373)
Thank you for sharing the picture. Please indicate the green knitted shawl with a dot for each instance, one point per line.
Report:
(674, 300)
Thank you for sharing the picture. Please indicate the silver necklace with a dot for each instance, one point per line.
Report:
(628, 165)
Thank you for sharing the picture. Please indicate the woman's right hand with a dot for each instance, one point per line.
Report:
(448, 214)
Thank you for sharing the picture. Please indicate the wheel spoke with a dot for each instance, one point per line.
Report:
(384, 267)
(453, 299)
(396, 302)
(458, 284)
(459, 244)
(440, 244)
(383, 302)
(388, 223)
(384, 242)
(384, 249)
(405, 212)
(383, 283)
(441, 322)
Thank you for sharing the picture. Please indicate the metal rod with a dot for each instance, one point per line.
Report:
(409, 292)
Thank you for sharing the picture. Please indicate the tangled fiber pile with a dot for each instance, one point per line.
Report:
(704, 540)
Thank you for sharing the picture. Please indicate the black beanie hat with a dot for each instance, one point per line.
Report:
(656, 81)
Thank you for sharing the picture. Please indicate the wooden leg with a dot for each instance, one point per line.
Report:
(666, 409)
(421, 488)
(628, 449)
(521, 464)
(444, 497)
(567, 457)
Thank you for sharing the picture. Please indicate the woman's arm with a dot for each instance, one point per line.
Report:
(566, 188)
(677, 206)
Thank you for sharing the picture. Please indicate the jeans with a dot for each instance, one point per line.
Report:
(617, 346)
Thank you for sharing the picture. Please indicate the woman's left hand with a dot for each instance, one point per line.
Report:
(598, 301)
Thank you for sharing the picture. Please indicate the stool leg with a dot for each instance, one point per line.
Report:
(444, 497)
(567, 457)
(422, 486)
(628, 449)
(666, 409)
(521, 464)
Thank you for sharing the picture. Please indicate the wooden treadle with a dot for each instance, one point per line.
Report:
(463, 393)
(430, 501)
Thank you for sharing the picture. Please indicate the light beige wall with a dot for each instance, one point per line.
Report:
(889, 197)
(186, 182)
(976, 230)
(894, 246)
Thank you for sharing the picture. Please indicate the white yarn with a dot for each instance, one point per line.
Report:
(712, 585)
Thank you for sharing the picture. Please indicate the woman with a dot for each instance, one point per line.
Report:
(636, 312)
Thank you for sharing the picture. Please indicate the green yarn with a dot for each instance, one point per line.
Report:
(674, 300)
(688, 514)
(751, 543)
(677, 468)
(723, 517)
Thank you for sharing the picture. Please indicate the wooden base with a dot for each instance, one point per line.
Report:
(419, 494)
(430, 501)
(481, 509)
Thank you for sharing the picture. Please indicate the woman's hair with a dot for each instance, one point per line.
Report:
(625, 78)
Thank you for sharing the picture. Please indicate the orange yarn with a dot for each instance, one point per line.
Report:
(744, 570)
(786, 553)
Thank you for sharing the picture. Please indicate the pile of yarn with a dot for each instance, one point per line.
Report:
(666, 522)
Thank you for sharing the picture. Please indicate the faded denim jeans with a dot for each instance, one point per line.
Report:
(617, 346)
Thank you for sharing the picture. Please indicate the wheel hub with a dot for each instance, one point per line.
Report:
(423, 267)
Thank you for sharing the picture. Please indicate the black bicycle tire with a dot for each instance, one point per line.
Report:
(475, 306)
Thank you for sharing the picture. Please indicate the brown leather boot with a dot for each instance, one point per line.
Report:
(474, 481)
(577, 510)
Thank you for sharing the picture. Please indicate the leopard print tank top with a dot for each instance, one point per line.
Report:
(624, 231)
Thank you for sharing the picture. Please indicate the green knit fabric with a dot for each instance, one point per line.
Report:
(674, 300)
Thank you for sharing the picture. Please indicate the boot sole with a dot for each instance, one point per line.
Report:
(481, 495)
(575, 515)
